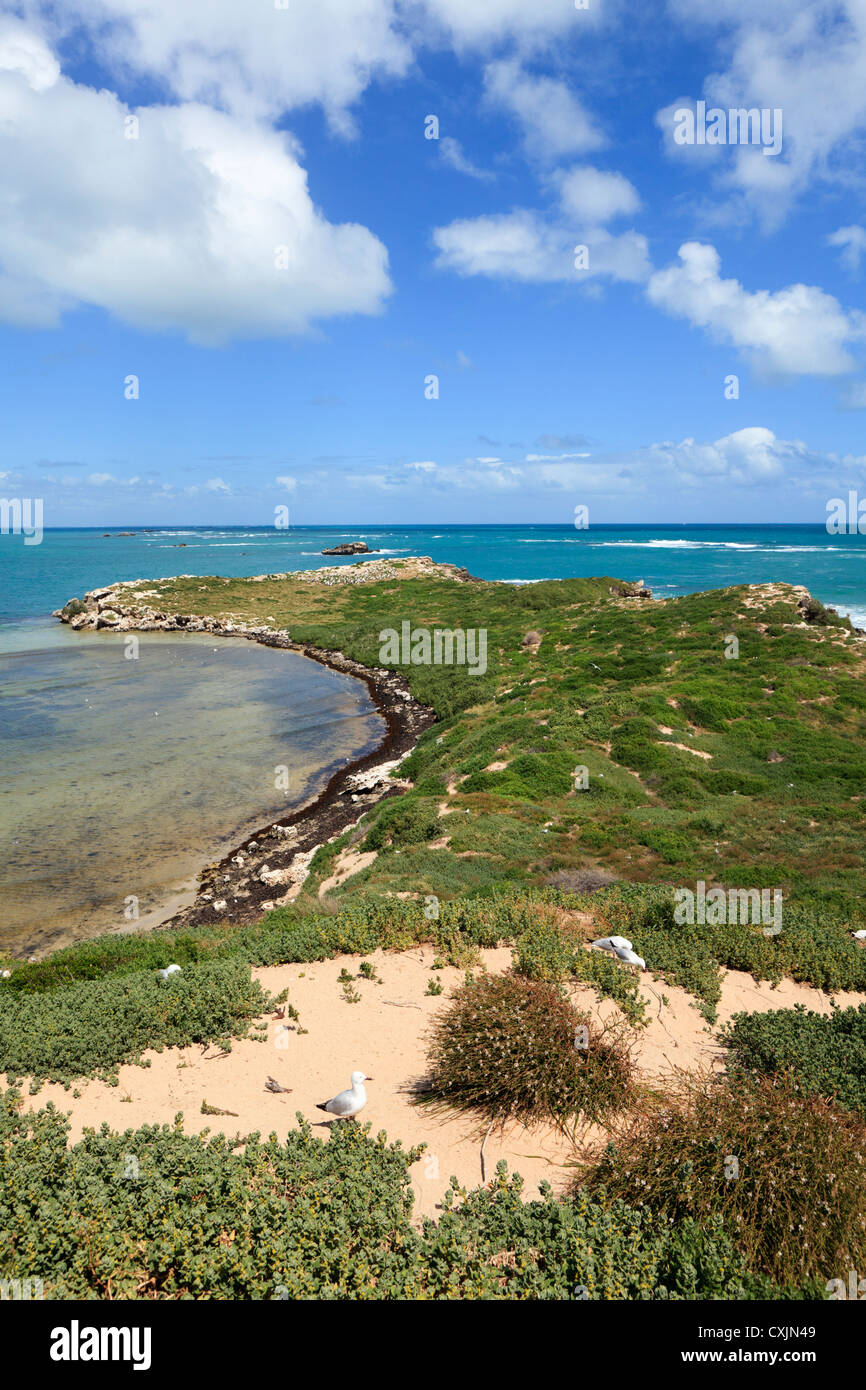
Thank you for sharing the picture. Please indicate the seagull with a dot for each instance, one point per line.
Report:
(860, 935)
(631, 957)
(272, 1085)
(613, 943)
(621, 947)
(349, 1103)
(170, 970)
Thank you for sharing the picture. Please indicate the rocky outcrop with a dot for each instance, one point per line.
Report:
(351, 548)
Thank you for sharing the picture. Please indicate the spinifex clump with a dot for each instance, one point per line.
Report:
(509, 1048)
(784, 1170)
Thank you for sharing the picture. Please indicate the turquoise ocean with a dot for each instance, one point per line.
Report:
(670, 559)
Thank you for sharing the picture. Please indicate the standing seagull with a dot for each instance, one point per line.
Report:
(349, 1103)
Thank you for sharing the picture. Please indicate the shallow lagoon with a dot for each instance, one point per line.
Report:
(123, 778)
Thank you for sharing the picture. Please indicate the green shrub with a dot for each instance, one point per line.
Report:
(825, 1053)
(90, 1029)
(403, 821)
(157, 1214)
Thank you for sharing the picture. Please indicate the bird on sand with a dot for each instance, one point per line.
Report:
(349, 1103)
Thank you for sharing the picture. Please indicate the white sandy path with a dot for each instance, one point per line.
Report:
(386, 1040)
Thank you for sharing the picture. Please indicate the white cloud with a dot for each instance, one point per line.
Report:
(178, 229)
(251, 59)
(107, 479)
(753, 458)
(853, 242)
(215, 485)
(799, 330)
(554, 458)
(525, 246)
(480, 21)
(806, 57)
(748, 456)
(287, 482)
(451, 153)
(594, 196)
(25, 52)
(553, 119)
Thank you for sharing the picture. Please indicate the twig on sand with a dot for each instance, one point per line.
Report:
(483, 1164)
(401, 1003)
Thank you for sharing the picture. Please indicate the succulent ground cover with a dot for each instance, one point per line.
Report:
(825, 1053)
(155, 1213)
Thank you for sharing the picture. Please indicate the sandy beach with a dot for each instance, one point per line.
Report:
(384, 1035)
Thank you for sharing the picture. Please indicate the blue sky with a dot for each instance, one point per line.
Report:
(300, 134)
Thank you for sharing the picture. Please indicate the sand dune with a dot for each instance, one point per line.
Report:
(383, 1035)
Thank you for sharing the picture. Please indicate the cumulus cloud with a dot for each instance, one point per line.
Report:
(799, 330)
(260, 60)
(552, 118)
(526, 246)
(203, 225)
(852, 240)
(255, 61)
(287, 482)
(806, 57)
(594, 196)
(481, 21)
(748, 456)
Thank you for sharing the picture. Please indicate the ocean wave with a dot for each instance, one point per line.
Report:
(857, 615)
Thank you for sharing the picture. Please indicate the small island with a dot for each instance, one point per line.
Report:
(351, 548)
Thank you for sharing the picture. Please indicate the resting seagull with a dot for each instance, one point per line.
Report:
(621, 947)
(349, 1103)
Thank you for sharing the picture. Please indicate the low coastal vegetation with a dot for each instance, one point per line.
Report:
(155, 1213)
(612, 752)
(826, 1054)
(781, 1166)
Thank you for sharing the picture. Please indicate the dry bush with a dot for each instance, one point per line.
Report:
(512, 1048)
(785, 1170)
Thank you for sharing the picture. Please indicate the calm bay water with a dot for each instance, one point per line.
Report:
(124, 778)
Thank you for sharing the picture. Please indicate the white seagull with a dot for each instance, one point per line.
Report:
(613, 943)
(620, 946)
(349, 1103)
(170, 970)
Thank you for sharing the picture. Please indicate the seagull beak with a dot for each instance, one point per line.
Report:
(368, 1078)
